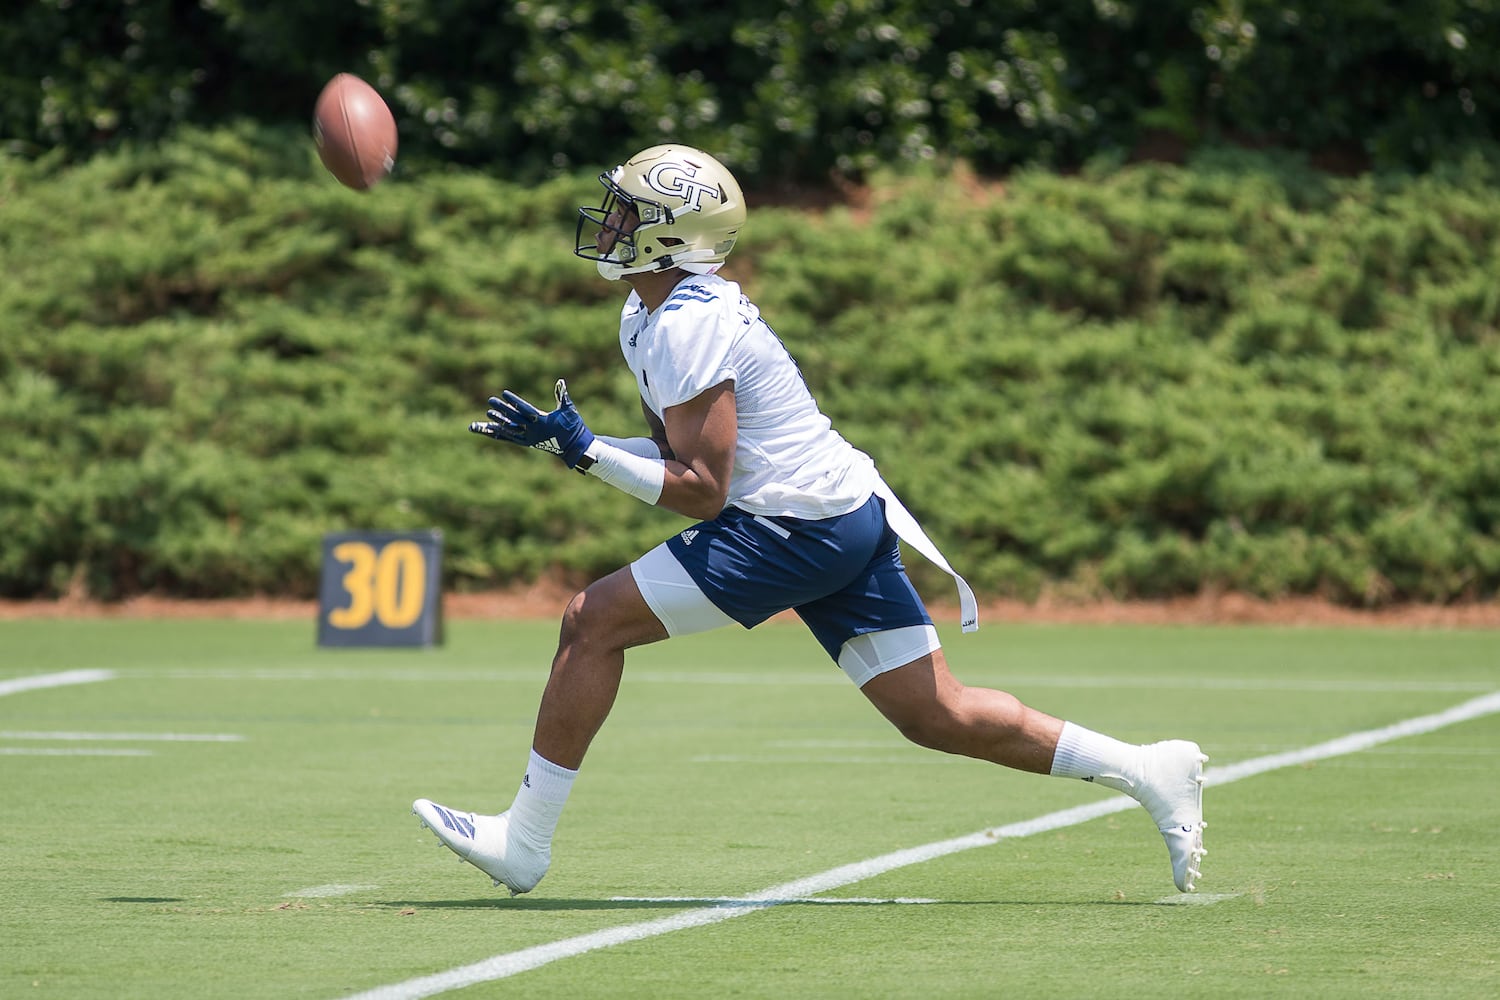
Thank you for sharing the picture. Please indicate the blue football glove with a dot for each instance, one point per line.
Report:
(561, 432)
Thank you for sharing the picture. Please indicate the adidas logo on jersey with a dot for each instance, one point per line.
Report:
(689, 535)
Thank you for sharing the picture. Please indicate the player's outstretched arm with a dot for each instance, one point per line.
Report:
(699, 434)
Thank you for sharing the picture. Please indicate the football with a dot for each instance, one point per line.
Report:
(355, 132)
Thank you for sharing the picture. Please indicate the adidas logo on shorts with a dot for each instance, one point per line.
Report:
(689, 535)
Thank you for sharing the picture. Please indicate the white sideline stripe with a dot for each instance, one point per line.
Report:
(70, 752)
(18, 684)
(14, 734)
(512, 963)
(1353, 743)
(329, 891)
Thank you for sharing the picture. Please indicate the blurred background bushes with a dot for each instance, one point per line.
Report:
(1134, 382)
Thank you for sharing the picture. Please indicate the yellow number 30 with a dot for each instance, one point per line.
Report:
(389, 584)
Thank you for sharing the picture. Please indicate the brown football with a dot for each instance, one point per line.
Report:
(355, 132)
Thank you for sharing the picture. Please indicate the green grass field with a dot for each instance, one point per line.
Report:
(273, 854)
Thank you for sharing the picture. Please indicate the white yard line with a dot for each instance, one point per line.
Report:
(16, 685)
(511, 963)
(70, 752)
(40, 682)
(19, 734)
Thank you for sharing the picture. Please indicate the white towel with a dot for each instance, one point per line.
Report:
(909, 531)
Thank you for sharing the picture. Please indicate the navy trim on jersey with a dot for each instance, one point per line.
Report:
(684, 295)
(842, 575)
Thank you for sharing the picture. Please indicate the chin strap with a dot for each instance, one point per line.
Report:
(614, 270)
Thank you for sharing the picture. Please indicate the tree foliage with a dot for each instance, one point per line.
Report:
(786, 91)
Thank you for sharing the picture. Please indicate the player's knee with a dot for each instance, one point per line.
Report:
(931, 726)
(578, 620)
(608, 616)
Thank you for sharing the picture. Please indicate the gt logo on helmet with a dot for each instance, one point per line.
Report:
(677, 179)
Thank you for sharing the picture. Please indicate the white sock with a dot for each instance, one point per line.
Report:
(1083, 753)
(540, 799)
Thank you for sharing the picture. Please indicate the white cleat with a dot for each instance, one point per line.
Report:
(1171, 789)
(485, 843)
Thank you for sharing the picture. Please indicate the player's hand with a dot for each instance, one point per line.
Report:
(561, 432)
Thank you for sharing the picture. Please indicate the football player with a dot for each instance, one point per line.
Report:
(789, 515)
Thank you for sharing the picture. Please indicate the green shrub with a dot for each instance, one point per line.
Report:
(1138, 382)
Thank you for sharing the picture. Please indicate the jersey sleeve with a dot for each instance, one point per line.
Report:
(691, 351)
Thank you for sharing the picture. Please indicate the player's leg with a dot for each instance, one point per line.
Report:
(643, 603)
(901, 669)
(933, 709)
(599, 624)
(923, 699)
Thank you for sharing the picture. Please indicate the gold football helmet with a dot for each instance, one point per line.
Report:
(690, 210)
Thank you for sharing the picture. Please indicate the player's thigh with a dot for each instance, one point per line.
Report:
(670, 595)
(922, 690)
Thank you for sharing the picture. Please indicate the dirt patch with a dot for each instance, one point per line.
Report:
(547, 602)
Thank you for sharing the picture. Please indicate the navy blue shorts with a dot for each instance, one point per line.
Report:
(842, 575)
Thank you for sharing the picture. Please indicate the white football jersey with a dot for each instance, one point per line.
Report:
(789, 460)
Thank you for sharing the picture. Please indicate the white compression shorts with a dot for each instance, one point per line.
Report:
(683, 609)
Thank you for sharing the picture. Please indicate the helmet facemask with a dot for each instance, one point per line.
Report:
(622, 252)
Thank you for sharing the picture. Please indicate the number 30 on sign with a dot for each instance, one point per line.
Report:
(381, 589)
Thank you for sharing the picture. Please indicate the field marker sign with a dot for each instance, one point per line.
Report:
(381, 588)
